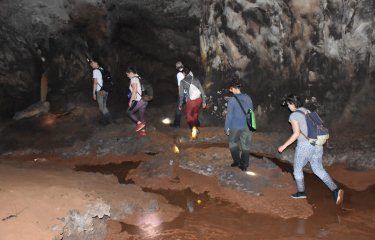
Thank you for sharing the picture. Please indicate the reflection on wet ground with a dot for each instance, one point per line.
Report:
(207, 218)
(119, 170)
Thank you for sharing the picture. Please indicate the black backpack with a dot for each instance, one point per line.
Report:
(147, 90)
(107, 80)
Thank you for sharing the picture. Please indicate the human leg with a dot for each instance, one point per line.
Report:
(195, 111)
(300, 160)
(177, 116)
(101, 98)
(316, 162)
(234, 136)
(142, 108)
(189, 113)
(245, 140)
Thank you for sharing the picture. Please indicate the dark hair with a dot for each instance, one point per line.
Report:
(131, 70)
(186, 70)
(235, 83)
(90, 60)
(292, 99)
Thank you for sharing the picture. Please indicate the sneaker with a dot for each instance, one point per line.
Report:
(140, 127)
(299, 195)
(338, 196)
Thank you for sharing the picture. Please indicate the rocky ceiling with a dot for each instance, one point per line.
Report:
(322, 49)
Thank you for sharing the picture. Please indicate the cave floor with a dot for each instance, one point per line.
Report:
(50, 166)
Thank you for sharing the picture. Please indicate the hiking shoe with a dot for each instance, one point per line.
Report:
(338, 196)
(139, 127)
(243, 169)
(299, 195)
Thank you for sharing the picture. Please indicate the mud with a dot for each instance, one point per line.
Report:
(56, 171)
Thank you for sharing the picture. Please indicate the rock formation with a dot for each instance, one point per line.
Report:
(323, 50)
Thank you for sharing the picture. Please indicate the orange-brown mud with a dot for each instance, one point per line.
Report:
(154, 193)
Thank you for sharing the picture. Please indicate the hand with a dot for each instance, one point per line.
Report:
(204, 105)
(227, 132)
(180, 108)
(281, 148)
(130, 103)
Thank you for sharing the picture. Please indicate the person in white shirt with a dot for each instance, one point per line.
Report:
(180, 75)
(98, 94)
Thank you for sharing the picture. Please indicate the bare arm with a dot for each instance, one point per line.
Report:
(293, 137)
(94, 88)
(134, 93)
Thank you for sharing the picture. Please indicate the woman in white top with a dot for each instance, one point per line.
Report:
(136, 103)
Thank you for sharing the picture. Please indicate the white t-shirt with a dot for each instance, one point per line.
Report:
(180, 76)
(99, 79)
(139, 90)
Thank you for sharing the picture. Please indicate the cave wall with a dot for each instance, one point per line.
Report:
(57, 36)
(323, 50)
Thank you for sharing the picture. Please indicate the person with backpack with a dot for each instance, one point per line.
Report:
(136, 103)
(305, 151)
(191, 89)
(99, 93)
(180, 75)
(236, 128)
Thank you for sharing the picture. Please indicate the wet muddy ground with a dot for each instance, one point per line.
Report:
(104, 160)
(207, 218)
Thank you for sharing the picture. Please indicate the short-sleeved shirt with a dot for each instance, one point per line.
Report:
(99, 79)
(135, 80)
(179, 76)
(300, 118)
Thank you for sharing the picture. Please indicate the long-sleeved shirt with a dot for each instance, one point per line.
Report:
(184, 87)
(236, 119)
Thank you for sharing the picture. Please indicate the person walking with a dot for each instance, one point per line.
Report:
(306, 152)
(98, 93)
(239, 134)
(180, 75)
(191, 89)
(136, 103)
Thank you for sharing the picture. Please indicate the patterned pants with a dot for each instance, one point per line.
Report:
(140, 107)
(305, 153)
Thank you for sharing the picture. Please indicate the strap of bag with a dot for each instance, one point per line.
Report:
(192, 78)
(243, 110)
(304, 114)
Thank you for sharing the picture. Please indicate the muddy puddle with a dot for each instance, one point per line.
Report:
(207, 218)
